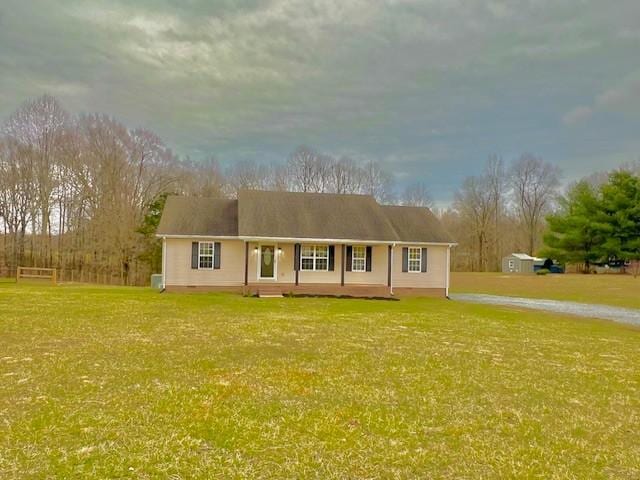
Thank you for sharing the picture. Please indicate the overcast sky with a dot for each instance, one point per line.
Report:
(429, 88)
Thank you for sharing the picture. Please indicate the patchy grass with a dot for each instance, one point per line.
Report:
(618, 290)
(103, 382)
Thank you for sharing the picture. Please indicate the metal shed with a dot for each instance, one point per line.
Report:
(518, 263)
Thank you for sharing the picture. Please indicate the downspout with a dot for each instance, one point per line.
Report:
(393, 247)
(448, 271)
(164, 264)
(246, 266)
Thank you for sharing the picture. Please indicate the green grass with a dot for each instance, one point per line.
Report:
(99, 382)
(618, 290)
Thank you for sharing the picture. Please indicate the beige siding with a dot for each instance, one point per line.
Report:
(379, 269)
(434, 277)
(284, 262)
(179, 271)
(286, 273)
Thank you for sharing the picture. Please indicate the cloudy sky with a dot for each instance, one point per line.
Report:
(430, 88)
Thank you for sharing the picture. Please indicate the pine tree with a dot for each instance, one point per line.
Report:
(621, 216)
(575, 234)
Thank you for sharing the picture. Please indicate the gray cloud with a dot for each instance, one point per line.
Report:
(624, 98)
(373, 78)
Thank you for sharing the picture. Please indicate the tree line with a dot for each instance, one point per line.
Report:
(500, 211)
(598, 221)
(520, 207)
(82, 192)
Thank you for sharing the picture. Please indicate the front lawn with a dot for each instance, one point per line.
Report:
(102, 382)
(618, 290)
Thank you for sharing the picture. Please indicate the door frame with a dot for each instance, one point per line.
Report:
(275, 262)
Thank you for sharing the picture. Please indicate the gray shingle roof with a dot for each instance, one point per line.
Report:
(416, 224)
(312, 215)
(300, 215)
(199, 216)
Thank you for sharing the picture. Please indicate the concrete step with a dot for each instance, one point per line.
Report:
(270, 291)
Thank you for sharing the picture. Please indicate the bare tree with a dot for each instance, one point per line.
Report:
(204, 179)
(496, 176)
(417, 195)
(474, 203)
(39, 126)
(250, 175)
(346, 176)
(280, 179)
(377, 182)
(535, 185)
(302, 167)
(17, 197)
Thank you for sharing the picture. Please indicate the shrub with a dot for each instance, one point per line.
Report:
(542, 271)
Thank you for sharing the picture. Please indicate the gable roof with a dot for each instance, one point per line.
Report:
(298, 215)
(312, 215)
(416, 224)
(199, 216)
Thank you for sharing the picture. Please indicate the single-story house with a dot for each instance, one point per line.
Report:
(302, 243)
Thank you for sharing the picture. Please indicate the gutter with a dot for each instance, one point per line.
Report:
(164, 264)
(247, 238)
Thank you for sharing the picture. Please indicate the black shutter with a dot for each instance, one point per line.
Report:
(368, 259)
(423, 267)
(216, 255)
(296, 257)
(349, 257)
(194, 255)
(405, 259)
(332, 256)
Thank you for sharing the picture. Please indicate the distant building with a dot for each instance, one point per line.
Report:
(518, 263)
(523, 263)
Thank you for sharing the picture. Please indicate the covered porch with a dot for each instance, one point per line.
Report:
(301, 267)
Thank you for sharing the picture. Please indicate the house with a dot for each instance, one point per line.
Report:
(302, 243)
(521, 263)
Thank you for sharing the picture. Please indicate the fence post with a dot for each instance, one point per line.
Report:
(17, 274)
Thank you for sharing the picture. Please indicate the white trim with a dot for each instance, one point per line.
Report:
(409, 260)
(364, 265)
(164, 263)
(393, 247)
(275, 262)
(448, 272)
(213, 255)
(338, 241)
(315, 258)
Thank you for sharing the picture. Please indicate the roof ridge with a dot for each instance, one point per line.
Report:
(289, 192)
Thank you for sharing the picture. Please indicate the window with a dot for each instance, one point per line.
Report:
(314, 257)
(205, 255)
(358, 259)
(512, 265)
(415, 259)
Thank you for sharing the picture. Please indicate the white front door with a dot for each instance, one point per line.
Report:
(267, 264)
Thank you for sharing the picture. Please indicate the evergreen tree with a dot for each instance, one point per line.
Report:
(574, 233)
(151, 250)
(621, 216)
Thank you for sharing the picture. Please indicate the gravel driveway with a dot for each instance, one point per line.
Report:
(617, 314)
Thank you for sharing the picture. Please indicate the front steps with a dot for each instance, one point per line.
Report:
(269, 291)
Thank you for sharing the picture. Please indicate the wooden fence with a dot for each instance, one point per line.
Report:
(97, 276)
(36, 273)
